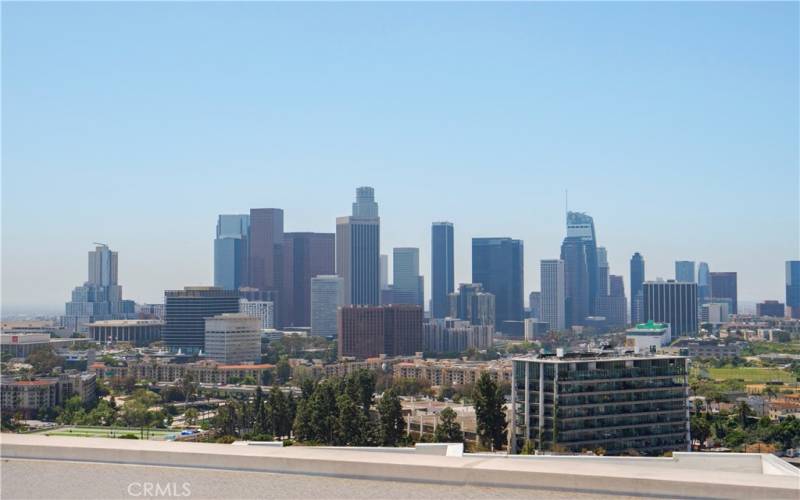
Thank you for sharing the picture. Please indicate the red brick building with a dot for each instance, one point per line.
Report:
(367, 331)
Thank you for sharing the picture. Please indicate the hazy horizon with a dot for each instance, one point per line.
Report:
(674, 125)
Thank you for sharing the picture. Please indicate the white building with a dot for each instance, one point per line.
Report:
(553, 294)
(327, 295)
(650, 336)
(263, 310)
(233, 338)
(715, 313)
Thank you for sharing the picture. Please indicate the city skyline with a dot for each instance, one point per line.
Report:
(484, 126)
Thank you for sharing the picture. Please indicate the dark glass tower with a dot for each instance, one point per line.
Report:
(185, 312)
(305, 256)
(793, 287)
(442, 268)
(576, 280)
(671, 302)
(497, 266)
(723, 286)
(230, 251)
(637, 278)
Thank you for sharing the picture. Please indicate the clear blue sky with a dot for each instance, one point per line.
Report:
(675, 125)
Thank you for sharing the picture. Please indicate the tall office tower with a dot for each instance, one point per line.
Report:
(602, 272)
(368, 331)
(358, 240)
(637, 278)
(407, 283)
(305, 255)
(684, 271)
(671, 302)
(793, 288)
(614, 306)
(535, 304)
(472, 304)
(497, 266)
(553, 294)
(327, 295)
(576, 281)
(384, 271)
(580, 226)
(442, 267)
(263, 310)
(100, 297)
(703, 283)
(233, 338)
(185, 312)
(771, 308)
(265, 258)
(723, 286)
(230, 251)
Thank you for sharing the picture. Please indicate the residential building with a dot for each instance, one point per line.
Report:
(723, 286)
(231, 250)
(305, 255)
(617, 402)
(793, 288)
(449, 335)
(497, 264)
(261, 309)
(31, 396)
(553, 294)
(368, 331)
(203, 372)
(637, 280)
(327, 295)
(233, 338)
(684, 271)
(770, 308)
(671, 302)
(99, 298)
(185, 313)
(442, 268)
(648, 337)
(451, 372)
(407, 284)
(358, 250)
(139, 332)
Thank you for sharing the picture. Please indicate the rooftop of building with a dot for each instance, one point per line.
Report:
(126, 322)
(651, 325)
(572, 357)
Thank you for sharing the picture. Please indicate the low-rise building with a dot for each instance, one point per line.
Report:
(455, 335)
(31, 396)
(650, 336)
(20, 345)
(452, 372)
(710, 348)
(204, 372)
(139, 332)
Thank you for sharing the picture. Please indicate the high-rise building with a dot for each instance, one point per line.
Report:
(703, 283)
(407, 284)
(358, 250)
(368, 331)
(535, 304)
(305, 255)
(231, 250)
(472, 304)
(99, 298)
(553, 294)
(723, 286)
(497, 264)
(263, 310)
(384, 271)
(714, 313)
(793, 288)
(233, 338)
(671, 302)
(614, 306)
(684, 271)
(442, 267)
(618, 403)
(771, 308)
(581, 273)
(327, 295)
(602, 272)
(185, 312)
(265, 267)
(637, 279)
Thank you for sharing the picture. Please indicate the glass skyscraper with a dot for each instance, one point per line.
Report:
(793, 287)
(703, 283)
(442, 268)
(407, 286)
(497, 264)
(230, 251)
(358, 250)
(581, 272)
(684, 271)
(637, 278)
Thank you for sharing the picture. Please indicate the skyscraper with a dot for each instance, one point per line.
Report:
(231, 250)
(368, 331)
(358, 250)
(723, 286)
(305, 255)
(327, 295)
(703, 283)
(497, 264)
(553, 294)
(100, 297)
(186, 311)
(671, 302)
(473, 304)
(576, 281)
(614, 306)
(384, 271)
(602, 272)
(684, 271)
(265, 259)
(637, 278)
(535, 304)
(581, 225)
(793, 288)
(442, 267)
(407, 285)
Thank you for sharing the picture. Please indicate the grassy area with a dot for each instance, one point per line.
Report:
(751, 374)
(109, 432)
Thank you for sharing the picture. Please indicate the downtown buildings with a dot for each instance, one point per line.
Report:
(553, 294)
(579, 253)
(673, 303)
(793, 288)
(327, 295)
(230, 251)
(442, 268)
(186, 311)
(497, 265)
(358, 250)
(724, 289)
(369, 331)
(637, 280)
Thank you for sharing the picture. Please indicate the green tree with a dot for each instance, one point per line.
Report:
(261, 425)
(267, 377)
(743, 412)
(490, 413)
(283, 370)
(278, 413)
(392, 425)
(44, 360)
(324, 411)
(302, 428)
(187, 386)
(351, 426)
(700, 429)
(527, 448)
(190, 416)
(448, 430)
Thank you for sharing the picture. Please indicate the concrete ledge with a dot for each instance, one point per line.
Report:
(615, 477)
